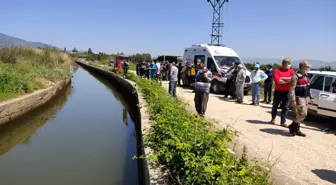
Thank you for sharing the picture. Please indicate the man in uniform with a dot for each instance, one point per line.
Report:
(230, 85)
(300, 92)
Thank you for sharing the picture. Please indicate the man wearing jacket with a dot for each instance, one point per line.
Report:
(282, 78)
(257, 77)
(300, 92)
(268, 85)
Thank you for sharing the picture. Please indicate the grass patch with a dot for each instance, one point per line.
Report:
(24, 70)
(7, 95)
(189, 146)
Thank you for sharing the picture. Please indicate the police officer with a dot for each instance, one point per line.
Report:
(300, 92)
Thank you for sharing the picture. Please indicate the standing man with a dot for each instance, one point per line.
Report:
(125, 68)
(179, 76)
(230, 82)
(268, 85)
(193, 72)
(152, 70)
(184, 74)
(158, 70)
(173, 79)
(282, 78)
(300, 92)
(258, 76)
(143, 69)
(202, 89)
(138, 68)
(240, 80)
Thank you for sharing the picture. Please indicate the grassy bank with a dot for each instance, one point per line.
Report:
(24, 70)
(188, 145)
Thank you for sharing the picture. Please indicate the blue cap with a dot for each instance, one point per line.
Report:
(257, 65)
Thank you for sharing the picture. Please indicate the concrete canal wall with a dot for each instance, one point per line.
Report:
(148, 173)
(17, 107)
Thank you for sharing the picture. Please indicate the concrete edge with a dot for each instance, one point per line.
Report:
(156, 174)
(16, 107)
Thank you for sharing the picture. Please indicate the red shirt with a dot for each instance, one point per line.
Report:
(282, 72)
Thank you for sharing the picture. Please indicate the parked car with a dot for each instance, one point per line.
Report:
(218, 59)
(322, 91)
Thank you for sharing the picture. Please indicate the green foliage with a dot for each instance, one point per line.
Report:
(74, 50)
(90, 57)
(24, 70)
(132, 66)
(137, 58)
(188, 145)
(326, 68)
(90, 51)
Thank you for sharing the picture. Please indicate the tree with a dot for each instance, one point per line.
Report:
(326, 68)
(90, 51)
(75, 50)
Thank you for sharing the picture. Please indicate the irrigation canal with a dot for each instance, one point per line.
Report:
(84, 136)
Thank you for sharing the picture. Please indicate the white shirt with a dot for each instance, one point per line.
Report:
(158, 67)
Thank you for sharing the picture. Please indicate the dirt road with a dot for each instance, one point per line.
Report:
(300, 161)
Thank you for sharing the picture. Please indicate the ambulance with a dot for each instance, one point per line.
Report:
(218, 59)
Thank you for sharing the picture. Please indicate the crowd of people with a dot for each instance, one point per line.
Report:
(290, 88)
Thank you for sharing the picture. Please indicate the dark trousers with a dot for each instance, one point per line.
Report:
(268, 92)
(172, 88)
(201, 102)
(142, 72)
(179, 79)
(227, 88)
(191, 80)
(125, 72)
(230, 88)
(283, 98)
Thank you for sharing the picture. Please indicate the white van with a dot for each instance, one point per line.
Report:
(218, 59)
(322, 91)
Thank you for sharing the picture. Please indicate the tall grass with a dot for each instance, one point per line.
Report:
(24, 70)
(188, 146)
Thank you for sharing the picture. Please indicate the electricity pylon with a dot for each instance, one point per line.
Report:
(217, 25)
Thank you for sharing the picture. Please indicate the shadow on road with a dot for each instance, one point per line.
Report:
(327, 175)
(275, 131)
(258, 122)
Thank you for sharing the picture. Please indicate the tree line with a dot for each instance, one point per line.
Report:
(89, 55)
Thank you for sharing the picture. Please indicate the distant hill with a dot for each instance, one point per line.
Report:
(316, 64)
(8, 41)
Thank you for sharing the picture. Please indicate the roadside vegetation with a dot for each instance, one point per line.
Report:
(24, 70)
(189, 146)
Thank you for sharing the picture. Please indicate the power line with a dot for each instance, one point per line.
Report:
(217, 24)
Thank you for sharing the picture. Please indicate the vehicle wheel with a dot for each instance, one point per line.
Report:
(246, 93)
(215, 87)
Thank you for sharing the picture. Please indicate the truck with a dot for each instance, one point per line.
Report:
(119, 61)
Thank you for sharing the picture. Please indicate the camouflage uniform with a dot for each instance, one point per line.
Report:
(300, 92)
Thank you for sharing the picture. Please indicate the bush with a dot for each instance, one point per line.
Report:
(23, 70)
(188, 145)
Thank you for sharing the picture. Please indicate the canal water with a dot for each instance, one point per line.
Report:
(85, 136)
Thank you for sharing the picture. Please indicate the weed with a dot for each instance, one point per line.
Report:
(24, 70)
(188, 145)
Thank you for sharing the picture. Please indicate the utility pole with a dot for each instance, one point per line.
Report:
(216, 21)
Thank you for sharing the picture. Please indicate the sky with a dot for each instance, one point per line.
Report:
(300, 29)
